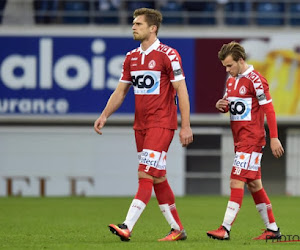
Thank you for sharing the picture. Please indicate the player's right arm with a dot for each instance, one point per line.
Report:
(222, 104)
(113, 103)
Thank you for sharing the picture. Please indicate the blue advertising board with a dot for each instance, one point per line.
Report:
(70, 75)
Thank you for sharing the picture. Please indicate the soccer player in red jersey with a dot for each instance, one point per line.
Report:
(248, 99)
(155, 72)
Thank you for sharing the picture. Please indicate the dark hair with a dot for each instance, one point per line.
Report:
(234, 49)
(152, 17)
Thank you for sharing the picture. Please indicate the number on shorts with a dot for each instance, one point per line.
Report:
(237, 171)
(147, 168)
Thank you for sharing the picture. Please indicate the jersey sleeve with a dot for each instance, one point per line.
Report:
(174, 66)
(271, 119)
(264, 99)
(126, 76)
(262, 91)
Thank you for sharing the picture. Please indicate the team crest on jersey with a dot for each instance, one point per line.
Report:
(151, 64)
(242, 90)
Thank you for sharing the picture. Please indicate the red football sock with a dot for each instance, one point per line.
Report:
(261, 197)
(139, 202)
(165, 195)
(237, 195)
(233, 207)
(145, 190)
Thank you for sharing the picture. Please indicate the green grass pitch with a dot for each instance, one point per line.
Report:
(81, 223)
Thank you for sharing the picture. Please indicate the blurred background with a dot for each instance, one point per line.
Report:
(61, 60)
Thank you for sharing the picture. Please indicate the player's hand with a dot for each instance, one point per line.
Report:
(276, 147)
(222, 105)
(99, 124)
(186, 136)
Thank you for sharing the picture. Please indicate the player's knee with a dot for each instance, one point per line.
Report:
(142, 174)
(236, 183)
(157, 180)
(254, 186)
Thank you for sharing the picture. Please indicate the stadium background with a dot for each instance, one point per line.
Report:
(57, 70)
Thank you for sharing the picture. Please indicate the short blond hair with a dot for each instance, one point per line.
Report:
(234, 49)
(152, 17)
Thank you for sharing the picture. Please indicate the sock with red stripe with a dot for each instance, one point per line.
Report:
(166, 201)
(139, 202)
(264, 207)
(233, 207)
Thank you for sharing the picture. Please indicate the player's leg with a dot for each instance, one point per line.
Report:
(140, 200)
(239, 176)
(234, 203)
(166, 201)
(264, 207)
(233, 207)
(135, 210)
(155, 148)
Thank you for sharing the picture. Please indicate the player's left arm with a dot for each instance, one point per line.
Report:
(185, 134)
(266, 103)
(275, 143)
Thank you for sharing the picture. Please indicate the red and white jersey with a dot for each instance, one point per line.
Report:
(246, 93)
(151, 73)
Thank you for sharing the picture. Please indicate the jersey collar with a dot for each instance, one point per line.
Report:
(154, 46)
(250, 69)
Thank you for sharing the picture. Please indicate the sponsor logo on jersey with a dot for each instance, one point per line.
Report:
(261, 97)
(257, 83)
(260, 91)
(151, 64)
(259, 86)
(254, 78)
(177, 72)
(240, 108)
(146, 82)
(168, 51)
